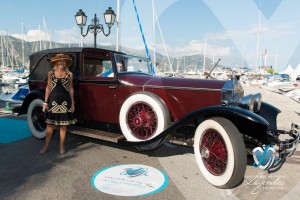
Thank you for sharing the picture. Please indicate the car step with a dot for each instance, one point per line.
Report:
(102, 135)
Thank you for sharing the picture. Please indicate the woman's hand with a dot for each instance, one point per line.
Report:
(45, 107)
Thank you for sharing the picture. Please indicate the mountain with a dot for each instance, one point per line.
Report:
(180, 64)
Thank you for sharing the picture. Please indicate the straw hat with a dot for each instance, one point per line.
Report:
(59, 57)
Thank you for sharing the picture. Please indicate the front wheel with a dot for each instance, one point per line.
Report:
(220, 152)
(36, 119)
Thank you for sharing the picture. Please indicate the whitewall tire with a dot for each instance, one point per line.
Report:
(143, 116)
(220, 152)
(36, 119)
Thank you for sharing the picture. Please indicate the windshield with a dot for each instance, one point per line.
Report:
(132, 64)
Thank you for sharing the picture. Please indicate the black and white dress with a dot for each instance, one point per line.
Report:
(59, 101)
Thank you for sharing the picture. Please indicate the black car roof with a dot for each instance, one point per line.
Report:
(67, 50)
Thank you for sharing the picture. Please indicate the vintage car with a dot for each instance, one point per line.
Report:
(138, 108)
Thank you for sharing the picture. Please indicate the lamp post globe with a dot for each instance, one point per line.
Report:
(80, 18)
(109, 17)
(95, 27)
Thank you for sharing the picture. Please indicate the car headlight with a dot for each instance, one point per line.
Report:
(247, 102)
(231, 92)
(257, 101)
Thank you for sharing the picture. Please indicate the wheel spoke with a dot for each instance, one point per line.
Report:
(216, 153)
(142, 120)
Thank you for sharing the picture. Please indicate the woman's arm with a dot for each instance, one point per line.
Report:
(71, 90)
(47, 91)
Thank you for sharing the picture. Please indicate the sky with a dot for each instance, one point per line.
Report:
(237, 31)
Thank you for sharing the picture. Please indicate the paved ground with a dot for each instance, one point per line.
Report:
(24, 174)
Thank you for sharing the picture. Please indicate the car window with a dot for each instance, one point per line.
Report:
(89, 69)
(133, 64)
(107, 69)
(95, 67)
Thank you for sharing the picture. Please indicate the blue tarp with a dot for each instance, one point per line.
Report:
(277, 75)
(12, 130)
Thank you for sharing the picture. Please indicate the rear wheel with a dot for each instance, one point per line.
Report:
(36, 119)
(220, 152)
(143, 116)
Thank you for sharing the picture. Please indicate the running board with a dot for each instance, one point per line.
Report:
(102, 135)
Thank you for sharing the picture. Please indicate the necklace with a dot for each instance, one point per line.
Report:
(60, 73)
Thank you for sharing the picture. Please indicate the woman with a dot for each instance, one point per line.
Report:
(59, 99)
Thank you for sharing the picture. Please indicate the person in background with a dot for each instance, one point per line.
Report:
(59, 100)
(119, 66)
(110, 73)
(99, 70)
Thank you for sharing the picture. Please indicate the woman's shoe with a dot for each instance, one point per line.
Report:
(43, 150)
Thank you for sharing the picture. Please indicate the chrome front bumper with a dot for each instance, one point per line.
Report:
(288, 147)
(272, 156)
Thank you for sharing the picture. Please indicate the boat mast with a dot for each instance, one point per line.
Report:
(163, 40)
(69, 40)
(257, 43)
(50, 39)
(154, 39)
(276, 60)
(2, 49)
(40, 37)
(10, 50)
(47, 36)
(184, 60)
(204, 55)
(118, 25)
(23, 61)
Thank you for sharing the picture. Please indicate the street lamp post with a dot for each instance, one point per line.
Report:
(95, 27)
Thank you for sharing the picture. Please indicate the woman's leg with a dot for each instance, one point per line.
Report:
(49, 133)
(62, 132)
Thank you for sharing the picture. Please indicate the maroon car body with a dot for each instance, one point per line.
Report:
(135, 107)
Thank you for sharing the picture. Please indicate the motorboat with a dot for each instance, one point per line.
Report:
(20, 95)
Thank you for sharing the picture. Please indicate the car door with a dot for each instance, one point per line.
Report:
(96, 95)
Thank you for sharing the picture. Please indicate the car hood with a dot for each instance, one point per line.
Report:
(171, 82)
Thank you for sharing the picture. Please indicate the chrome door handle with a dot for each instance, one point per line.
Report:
(112, 87)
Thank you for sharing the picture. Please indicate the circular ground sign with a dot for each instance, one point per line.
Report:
(130, 180)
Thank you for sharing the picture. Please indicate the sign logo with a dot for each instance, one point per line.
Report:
(130, 180)
(263, 158)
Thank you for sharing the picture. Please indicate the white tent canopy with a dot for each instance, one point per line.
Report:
(292, 72)
(297, 70)
(289, 70)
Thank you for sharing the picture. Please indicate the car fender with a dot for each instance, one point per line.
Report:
(229, 112)
(34, 94)
(269, 112)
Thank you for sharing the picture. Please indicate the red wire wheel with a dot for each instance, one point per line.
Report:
(142, 120)
(214, 152)
(143, 116)
(220, 152)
